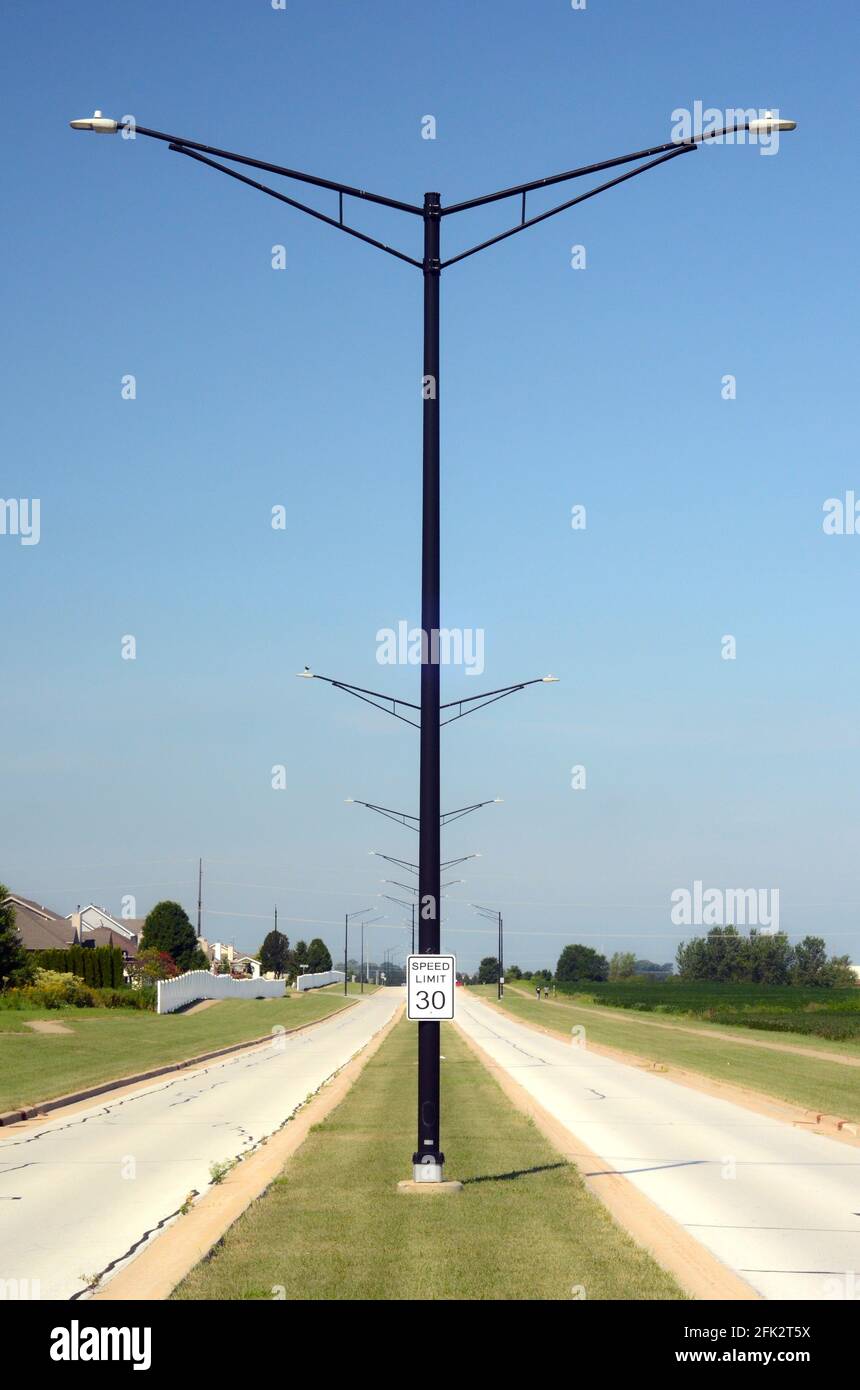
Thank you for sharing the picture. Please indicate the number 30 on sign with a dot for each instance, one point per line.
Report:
(430, 987)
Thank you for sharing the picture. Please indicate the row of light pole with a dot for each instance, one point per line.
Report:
(430, 715)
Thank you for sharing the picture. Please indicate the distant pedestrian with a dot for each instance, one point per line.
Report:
(546, 993)
(537, 992)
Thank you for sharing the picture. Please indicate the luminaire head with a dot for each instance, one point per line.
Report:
(98, 123)
(762, 124)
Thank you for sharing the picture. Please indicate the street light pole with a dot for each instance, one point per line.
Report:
(493, 913)
(428, 1158)
(345, 951)
(361, 912)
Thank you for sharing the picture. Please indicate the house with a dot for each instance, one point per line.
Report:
(95, 925)
(39, 928)
(224, 952)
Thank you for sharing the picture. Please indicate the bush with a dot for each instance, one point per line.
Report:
(143, 998)
(99, 966)
(54, 989)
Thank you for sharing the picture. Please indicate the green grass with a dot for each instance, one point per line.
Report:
(814, 1013)
(846, 1047)
(333, 1226)
(352, 988)
(109, 1043)
(828, 1086)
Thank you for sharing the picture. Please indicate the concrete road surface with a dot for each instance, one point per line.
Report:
(82, 1195)
(778, 1205)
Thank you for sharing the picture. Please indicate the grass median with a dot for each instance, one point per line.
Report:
(831, 1087)
(333, 1225)
(104, 1044)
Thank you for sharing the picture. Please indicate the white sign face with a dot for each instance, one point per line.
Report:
(430, 988)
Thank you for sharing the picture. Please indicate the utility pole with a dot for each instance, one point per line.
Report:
(199, 898)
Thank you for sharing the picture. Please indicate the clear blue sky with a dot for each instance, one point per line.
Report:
(601, 387)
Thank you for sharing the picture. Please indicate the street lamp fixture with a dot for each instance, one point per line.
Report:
(98, 123)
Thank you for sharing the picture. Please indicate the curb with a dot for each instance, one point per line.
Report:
(33, 1112)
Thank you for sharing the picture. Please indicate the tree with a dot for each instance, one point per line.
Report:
(167, 928)
(488, 971)
(581, 963)
(840, 973)
(16, 967)
(651, 968)
(720, 956)
(300, 955)
(762, 958)
(275, 955)
(622, 965)
(810, 961)
(151, 964)
(513, 972)
(318, 957)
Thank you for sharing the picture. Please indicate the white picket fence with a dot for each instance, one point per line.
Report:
(322, 977)
(199, 984)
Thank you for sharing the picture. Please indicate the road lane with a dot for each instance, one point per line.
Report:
(82, 1195)
(778, 1205)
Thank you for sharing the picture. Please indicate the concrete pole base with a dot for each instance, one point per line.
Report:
(448, 1186)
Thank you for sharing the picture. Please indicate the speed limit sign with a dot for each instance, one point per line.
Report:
(430, 987)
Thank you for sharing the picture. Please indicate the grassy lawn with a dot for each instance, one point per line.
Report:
(843, 1047)
(108, 1043)
(352, 988)
(333, 1226)
(818, 1085)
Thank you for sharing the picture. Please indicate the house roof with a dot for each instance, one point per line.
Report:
(38, 927)
(124, 928)
(103, 936)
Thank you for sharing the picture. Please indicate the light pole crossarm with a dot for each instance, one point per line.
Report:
(488, 697)
(370, 697)
(524, 222)
(346, 189)
(410, 821)
(337, 222)
(401, 817)
(768, 121)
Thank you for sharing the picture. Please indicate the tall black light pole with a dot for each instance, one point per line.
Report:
(428, 1158)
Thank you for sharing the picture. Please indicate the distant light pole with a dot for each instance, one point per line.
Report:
(494, 916)
(347, 916)
(403, 903)
(428, 1159)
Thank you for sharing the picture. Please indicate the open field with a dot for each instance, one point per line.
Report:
(107, 1043)
(818, 1013)
(812, 1082)
(333, 1226)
